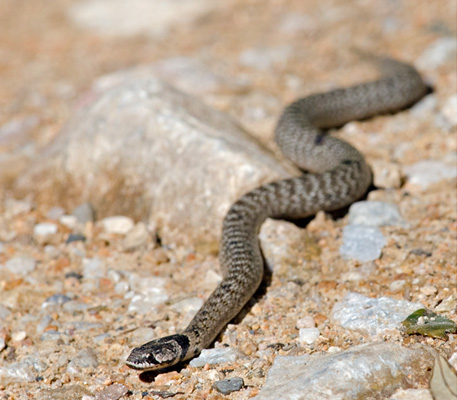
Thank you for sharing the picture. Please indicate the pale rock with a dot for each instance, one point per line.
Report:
(375, 213)
(45, 229)
(409, 394)
(373, 316)
(438, 53)
(308, 335)
(136, 237)
(216, 356)
(362, 243)
(142, 149)
(364, 371)
(21, 265)
(386, 175)
(426, 172)
(119, 224)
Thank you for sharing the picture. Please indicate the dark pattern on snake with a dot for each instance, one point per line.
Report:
(337, 176)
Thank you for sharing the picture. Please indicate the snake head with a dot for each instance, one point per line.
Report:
(159, 353)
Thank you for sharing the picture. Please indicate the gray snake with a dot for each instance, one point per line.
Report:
(336, 176)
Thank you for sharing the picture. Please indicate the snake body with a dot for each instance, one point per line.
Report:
(336, 176)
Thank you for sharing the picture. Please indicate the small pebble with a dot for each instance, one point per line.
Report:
(136, 237)
(21, 265)
(84, 213)
(58, 299)
(18, 336)
(228, 386)
(397, 285)
(386, 175)
(308, 335)
(112, 392)
(363, 243)
(2, 343)
(428, 290)
(45, 229)
(69, 221)
(51, 251)
(118, 224)
(375, 213)
(216, 356)
(421, 252)
(75, 237)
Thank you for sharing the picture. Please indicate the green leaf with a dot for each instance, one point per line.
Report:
(428, 323)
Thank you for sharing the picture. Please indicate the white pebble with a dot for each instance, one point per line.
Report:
(363, 243)
(118, 224)
(45, 229)
(21, 265)
(70, 221)
(375, 213)
(216, 356)
(18, 336)
(397, 285)
(308, 335)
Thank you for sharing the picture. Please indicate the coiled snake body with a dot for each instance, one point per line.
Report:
(337, 176)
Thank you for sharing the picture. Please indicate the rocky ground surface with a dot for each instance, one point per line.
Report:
(114, 184)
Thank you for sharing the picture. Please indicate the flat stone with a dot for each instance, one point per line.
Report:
(372, 316)
(365, 371)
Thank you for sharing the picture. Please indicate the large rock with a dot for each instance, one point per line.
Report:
(140, 148)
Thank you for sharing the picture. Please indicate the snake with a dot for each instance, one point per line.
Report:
(335, 174)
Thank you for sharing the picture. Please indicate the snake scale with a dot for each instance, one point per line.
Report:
(336, 175)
